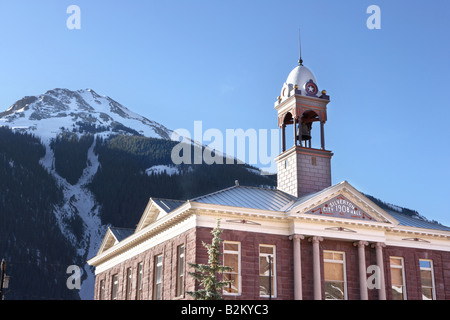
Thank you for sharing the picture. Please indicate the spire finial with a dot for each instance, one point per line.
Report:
(300, 61)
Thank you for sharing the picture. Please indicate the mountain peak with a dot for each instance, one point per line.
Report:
(62, 110)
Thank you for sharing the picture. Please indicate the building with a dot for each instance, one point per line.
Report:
(306, 239)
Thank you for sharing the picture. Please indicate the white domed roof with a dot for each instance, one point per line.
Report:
(300, 76)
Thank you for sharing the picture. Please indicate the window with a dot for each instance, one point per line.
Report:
(427, 279)
(335, 275)
(115, 284)
(139, 282)
(180, 271)
(398, 279)
(267, 271)
(232, 258)
(158, 278)
(102, 290)
(128, 292)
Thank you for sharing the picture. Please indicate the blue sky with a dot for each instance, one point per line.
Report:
(224, 63)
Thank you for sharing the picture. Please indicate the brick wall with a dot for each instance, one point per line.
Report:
(301, 173)
(196, 253)
(169, 251)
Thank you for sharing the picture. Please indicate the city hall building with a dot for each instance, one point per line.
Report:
(306, 239)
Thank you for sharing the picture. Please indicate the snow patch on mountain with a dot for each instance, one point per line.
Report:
(79, 203)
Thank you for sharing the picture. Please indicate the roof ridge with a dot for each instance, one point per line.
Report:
(154, 198)
(213, 193)
(111, 227)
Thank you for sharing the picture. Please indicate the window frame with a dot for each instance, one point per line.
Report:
(181, 258)
(155, 277)
(274, 269)
(128, 287)
(239, 284)
(344, 270)
(101, 294)
(402, 267)
(114, 286)
(433, 284)
(139, 279)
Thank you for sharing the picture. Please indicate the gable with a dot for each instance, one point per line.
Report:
(340, 207)
(156, 209)
(342, 201)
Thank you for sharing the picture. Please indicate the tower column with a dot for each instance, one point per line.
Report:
(322, 135)
(283, 137)
(294, 124)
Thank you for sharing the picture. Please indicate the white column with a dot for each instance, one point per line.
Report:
(379, 250)
(362, 269)
(316, 267)
(298, 295)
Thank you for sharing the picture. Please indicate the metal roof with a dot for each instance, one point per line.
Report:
(276, 200)
(409, 221)
(168, 205)
(249, 197)
(121, 233)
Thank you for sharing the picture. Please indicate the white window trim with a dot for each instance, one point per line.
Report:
(274, 267)
(180, 284)
(155, 283)
(405, 297)
(433, 285)
(239, 266)
(344, 265)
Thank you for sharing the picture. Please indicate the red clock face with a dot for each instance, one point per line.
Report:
(311, 88)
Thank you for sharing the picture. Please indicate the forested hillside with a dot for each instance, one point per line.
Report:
(36, 252)
(123, 187)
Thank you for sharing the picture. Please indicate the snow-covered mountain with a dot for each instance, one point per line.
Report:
(63, 110)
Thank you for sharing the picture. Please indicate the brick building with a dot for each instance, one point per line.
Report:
(306, 239)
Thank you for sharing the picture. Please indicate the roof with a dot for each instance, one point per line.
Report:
(410, 221)
(167, 205)
(121, 233)
(249, 197)
(276, 200)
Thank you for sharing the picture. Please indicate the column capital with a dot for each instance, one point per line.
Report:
(361, 243)
(378, 245)
(315, 239)
(296, 237)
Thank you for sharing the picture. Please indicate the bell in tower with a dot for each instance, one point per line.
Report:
(304, 132)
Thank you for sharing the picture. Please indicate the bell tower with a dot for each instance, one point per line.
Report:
(302, 168)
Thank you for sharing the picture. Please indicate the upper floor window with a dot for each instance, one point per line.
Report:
(427, 279)
(267, 271)
(115, 286)
(157, 284)
(335, 275)
(180, 271)
(398, 278)
(139, 282)
(129, 276)
(232, 258)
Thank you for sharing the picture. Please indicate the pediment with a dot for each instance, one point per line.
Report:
(342, 201)
(156, 209)
(340, 207)
(108, 241)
